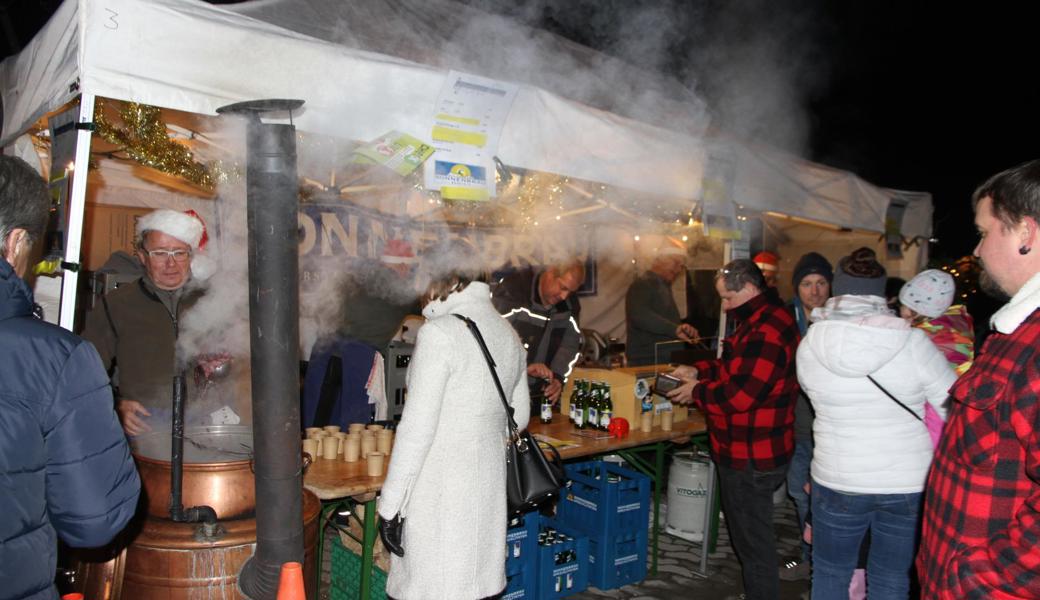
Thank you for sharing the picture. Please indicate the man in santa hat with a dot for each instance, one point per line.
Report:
(135, 327)
(769, 264)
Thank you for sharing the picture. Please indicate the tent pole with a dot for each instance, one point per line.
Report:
(77, 201)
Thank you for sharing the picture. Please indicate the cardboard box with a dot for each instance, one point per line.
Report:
(622, 384)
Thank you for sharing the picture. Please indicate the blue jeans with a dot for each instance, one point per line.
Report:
(841, 520)
(797, 477)
(747, 502)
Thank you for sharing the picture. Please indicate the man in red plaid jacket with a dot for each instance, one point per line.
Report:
(748, 398)
(981, 524)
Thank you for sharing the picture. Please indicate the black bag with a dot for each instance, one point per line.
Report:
(531, 478)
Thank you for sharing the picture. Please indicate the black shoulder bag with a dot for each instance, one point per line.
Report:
(531, 478)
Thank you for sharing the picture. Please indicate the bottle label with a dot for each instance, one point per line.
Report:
(604, 419)
(593, 416)
(546, 412)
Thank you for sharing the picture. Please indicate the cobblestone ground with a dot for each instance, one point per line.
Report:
(679, 559)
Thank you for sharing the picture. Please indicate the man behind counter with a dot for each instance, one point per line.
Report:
(650, 312)
(542, 308)
(135, 327)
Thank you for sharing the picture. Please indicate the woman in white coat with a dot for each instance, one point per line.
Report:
(447, 471)
(871, 456)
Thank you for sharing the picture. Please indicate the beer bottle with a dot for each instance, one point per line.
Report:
(574, 399)
(606, 412)
(579, 408)
(592, 414)
(546, 412)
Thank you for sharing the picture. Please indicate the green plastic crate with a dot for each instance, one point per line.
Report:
(345, 577)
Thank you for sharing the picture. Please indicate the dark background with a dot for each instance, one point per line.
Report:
(909, 95)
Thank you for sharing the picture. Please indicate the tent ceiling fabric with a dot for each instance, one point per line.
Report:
(196, 57)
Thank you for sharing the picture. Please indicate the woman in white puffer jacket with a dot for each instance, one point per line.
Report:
(871, 455)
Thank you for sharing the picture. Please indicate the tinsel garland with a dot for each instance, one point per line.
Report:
(144, 138)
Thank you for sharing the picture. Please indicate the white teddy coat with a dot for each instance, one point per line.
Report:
(864, 442)
(447, 468)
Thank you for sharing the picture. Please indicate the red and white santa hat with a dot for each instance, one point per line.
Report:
(398, 252)
(767, 261)
(187, 226)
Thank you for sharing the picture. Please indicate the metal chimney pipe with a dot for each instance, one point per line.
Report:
(272, 204)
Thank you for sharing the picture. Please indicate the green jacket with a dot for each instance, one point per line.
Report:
(132, 328)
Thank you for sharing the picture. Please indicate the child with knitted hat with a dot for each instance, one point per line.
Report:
(927, 303)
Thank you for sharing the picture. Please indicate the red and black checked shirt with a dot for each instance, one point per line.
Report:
(748, 396)
(981, 526)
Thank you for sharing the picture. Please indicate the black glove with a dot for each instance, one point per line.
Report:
(390, 531)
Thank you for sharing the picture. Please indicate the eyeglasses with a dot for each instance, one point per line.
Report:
(179, 256)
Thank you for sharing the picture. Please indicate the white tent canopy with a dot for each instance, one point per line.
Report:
(195, 57)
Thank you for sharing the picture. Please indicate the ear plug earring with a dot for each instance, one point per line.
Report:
(1024, 250)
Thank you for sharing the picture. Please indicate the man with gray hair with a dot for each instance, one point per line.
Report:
(748, 398)
(651, 316)
(136, 326)
(65, 466)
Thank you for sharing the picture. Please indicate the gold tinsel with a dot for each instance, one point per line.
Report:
(144, 138)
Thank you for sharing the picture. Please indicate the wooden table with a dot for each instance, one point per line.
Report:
(338, 479)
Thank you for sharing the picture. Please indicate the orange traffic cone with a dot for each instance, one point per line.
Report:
(290, 584)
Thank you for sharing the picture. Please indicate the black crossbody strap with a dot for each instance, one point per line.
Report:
(894, 399)
(491, 365)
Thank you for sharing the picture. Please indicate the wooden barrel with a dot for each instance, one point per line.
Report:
(164, 561)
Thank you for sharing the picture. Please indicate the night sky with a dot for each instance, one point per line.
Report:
(907, 95)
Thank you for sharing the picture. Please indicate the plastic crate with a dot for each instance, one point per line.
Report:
(520, 585)
(346, 576)
(570, 577)
(618, 560)
(604, 500)
(521, 542)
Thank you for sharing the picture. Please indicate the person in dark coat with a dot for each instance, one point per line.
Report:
(65, 466)
(543, 309)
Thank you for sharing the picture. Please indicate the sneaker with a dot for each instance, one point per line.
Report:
(795, 570)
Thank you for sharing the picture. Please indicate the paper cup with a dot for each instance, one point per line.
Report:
(375, 464)
(329, 448)
(666, 420)
(355, 427)
(368, 445)
(646, 422)
(352, 449)
(311, 430)
(332, 428)
(318, 439)
(384, 441)
(374, 427)
(310, 446)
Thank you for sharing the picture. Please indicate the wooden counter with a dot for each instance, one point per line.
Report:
(331, 479)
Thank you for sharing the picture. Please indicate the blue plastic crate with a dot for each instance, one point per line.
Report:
(569, 577)
(521, 542)
(604, 500)
(520, 585)
(618, 560)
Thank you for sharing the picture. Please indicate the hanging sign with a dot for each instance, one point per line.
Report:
(467, 124)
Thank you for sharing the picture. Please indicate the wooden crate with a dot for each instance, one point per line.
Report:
(622, 383)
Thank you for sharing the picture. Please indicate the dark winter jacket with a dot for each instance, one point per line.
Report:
(134, 329)
(651, 317)
(516, 299)
(65, 466)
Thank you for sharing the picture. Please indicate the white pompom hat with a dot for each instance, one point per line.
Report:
(187, 227)
(929, 293)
